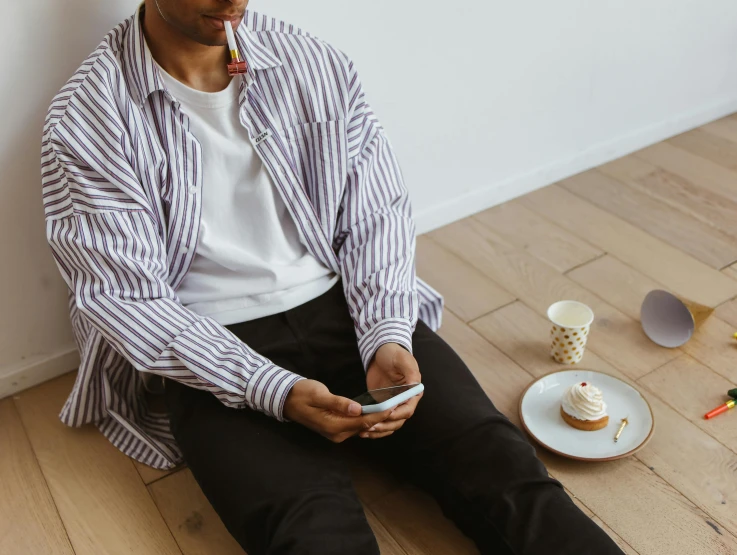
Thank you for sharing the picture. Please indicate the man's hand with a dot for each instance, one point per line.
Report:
(392, 365)
(337, 418)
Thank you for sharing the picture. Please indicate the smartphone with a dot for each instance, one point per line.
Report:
(379, 400)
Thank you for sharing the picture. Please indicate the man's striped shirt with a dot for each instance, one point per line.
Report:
(122, 179)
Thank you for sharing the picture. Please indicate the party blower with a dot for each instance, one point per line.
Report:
(236, 65)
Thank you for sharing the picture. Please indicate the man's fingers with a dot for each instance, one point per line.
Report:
(335, 403)
(375, 435)
(387, 426)
(406, 409)
(402, 412)
(371, 420)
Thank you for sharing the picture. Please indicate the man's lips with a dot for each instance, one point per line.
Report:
(217, 20)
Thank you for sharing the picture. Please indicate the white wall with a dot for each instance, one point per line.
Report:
(482, 100)
(35, 337)
(486, 100)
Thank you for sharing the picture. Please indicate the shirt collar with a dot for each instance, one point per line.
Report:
(141, 70)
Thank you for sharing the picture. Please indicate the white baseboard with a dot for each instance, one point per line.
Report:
(496, 193)
(37, 370)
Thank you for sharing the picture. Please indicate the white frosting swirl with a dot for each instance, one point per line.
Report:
(584, 401)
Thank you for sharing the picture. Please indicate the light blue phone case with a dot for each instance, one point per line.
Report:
(394, 401)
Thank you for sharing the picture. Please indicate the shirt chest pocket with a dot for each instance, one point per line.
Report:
(321, 154)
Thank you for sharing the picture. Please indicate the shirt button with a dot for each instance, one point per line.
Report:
(185, 250)
(192, 189)
(281, 171)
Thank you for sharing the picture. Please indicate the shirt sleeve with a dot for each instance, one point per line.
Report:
(376, 234)
(108, 248)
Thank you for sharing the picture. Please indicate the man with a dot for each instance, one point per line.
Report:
(245, 244)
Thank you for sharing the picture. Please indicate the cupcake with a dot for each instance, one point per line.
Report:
(583, 407)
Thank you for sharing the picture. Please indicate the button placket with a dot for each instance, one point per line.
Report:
(285, 178)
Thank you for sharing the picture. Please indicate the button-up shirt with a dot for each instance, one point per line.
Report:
(122, 179)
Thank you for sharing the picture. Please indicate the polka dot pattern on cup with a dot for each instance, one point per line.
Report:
(568, 344)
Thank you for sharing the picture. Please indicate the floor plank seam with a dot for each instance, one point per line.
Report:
(177, 470)
(166, 523)
(470, 322)
(41, 470)
(661, 366)
(577, 266)
(726, 301)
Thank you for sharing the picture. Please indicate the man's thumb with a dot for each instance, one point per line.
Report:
(346, 406)
(343, 405)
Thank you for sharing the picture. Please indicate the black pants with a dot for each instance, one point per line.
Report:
(282, 489)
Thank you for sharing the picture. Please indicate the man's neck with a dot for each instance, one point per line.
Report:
(196, 65)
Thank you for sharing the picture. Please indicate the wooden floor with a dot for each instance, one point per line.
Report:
(665, 217)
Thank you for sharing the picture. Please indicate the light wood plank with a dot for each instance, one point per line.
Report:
(29, 522)
(387, 544)
(102, 501)
(679, 272)
(150, 475)
(467, 292)
(725, 128)
(620, 338)
(692, 461)
(714, 346)
(588, 512)
(728, 313)
(544, 240)
(681, 230)
(502, 379)
(196, 526)
(708, 145)
(616, 283)
(695, 169)
(693, 390)
(679, 193)
(623, 545)
(628, 168)
(689, 459)
(627, 496)
(731, 271)
(418, 525)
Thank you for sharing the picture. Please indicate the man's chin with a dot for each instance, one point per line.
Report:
(210, 38)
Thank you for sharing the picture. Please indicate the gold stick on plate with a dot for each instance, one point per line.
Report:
(621, 428)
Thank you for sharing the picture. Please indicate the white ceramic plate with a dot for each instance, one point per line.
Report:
(539, 410)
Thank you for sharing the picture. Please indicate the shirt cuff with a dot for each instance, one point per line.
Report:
(392, 330)
(268, 388)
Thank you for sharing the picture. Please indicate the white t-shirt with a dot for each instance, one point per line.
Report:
(249, 261)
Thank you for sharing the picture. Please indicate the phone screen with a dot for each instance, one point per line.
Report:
(378, 396)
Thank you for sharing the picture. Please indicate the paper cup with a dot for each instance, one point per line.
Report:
(571, 324)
